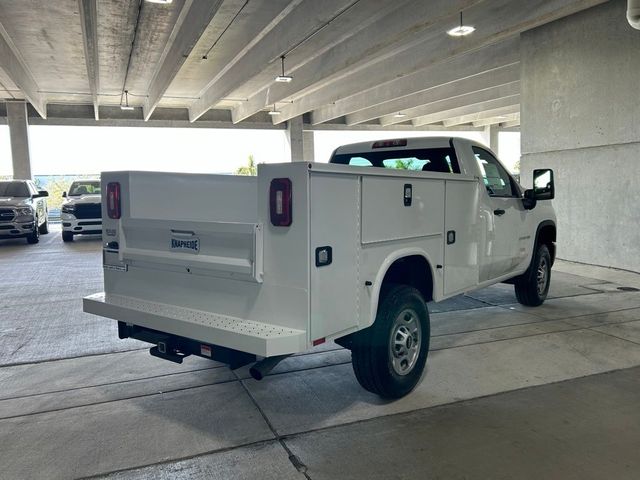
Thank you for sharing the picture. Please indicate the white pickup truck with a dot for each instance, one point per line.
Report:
(236, 268)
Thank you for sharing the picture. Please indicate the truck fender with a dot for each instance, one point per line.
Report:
(384, 269)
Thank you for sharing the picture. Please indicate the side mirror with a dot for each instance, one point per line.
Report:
(64, 194)
(42, 193)
(543, 188)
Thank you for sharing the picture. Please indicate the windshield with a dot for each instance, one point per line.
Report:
(14, 189)
(84, 188)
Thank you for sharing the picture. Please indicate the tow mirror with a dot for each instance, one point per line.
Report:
(543, 188)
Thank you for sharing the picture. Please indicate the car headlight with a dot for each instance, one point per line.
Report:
(68, 209)
(24, 211)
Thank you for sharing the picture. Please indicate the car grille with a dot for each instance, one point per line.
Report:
(88, 210)
(7, 215)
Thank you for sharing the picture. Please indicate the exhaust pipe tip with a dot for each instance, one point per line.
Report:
(261, 369)
(256, 373)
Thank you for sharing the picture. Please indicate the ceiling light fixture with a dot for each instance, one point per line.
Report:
(461, 30)
(126, 105)
(400, 115)
(274, 111)
(283, 78)
(164, 2)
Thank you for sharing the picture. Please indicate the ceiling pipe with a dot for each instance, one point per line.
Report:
(633, 13)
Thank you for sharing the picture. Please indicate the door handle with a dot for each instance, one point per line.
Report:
(499, 212)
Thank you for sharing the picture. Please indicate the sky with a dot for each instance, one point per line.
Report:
(65, 150)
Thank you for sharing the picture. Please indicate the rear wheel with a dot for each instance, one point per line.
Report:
(34, 236)
(67, 236)
(533, 286)
(389, 357)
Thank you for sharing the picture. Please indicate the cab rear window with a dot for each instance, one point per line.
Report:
(441, 160)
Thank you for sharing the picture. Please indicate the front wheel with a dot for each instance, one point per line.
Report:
(389, 357)
(44, 228)
(67, 236)
(34, 236)
(532, 286)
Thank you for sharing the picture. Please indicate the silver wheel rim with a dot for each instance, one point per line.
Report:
(404, 344)
(542, 276)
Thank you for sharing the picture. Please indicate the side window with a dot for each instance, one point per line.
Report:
(495, 177)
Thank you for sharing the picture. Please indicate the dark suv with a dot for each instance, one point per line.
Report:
(23, 210)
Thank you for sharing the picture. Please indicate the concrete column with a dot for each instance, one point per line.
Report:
(491, 137)
(494, 138)
(295, 136)
(580, 112)
(19, 133)
(308, 146)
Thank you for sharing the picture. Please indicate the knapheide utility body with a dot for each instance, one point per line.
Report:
(235, 268)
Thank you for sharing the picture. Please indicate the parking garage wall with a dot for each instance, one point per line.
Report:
(581, 117)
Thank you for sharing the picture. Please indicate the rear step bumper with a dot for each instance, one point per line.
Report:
(257, 338)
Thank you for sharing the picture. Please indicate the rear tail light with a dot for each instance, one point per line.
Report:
(280, 202)
(113, 200)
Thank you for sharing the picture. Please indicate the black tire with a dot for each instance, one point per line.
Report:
(375, 366)
(34, 237)
(532, 286)
(44, 228)
(67, 236)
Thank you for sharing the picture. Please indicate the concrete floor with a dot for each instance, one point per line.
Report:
(509, 392)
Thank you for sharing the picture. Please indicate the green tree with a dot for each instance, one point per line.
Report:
(404, 165)
(56, 187)
(249, 169)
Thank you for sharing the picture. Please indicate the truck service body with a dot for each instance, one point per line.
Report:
(235, 268)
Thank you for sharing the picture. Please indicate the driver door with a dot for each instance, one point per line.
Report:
(505, 216)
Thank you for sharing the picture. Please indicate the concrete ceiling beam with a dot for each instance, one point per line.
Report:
(466, 110)
(400, 29)
(454, 100)
(18, 72)
(89, 21)
(511, 123)
(369, 63)
(476, 117)
(422, 86)
(194, 18)
(299, 19)
(499, 120)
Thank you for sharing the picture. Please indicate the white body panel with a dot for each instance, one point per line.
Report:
(251, 276)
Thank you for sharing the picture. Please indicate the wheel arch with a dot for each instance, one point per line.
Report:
(409, 267)
(546, 234)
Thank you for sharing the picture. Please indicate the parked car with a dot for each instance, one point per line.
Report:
(81, 211)
(23, 210)
(232, 268)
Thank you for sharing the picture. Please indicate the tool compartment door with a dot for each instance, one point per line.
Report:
(387, 217)
(335, 223)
